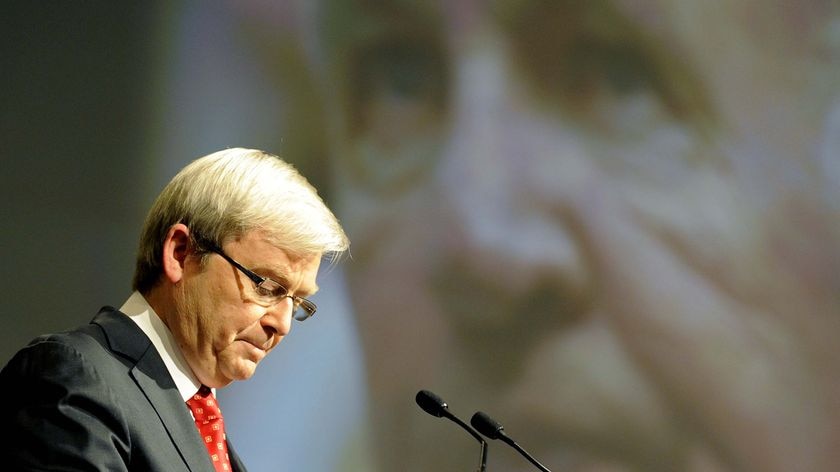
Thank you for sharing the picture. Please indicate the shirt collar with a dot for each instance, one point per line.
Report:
(139, 310)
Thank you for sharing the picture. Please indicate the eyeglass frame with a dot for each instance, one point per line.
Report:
(300, 304)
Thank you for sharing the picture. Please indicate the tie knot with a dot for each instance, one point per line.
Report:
(204, 407)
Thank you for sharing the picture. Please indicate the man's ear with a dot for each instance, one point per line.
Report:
(175, 248)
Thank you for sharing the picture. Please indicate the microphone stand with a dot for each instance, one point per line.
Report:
(482, 465)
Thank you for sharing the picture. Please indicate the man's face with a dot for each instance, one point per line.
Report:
(220, 325)
(555, 221)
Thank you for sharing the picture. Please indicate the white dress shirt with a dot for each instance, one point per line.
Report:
(138, 309)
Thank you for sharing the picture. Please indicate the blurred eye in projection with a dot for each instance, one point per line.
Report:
(397, 101)
(583, 56)
(641, 106)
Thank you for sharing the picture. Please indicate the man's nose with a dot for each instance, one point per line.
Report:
(513, 268)
(278, 317)
(504, 171)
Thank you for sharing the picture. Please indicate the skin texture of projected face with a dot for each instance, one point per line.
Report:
(608, 225)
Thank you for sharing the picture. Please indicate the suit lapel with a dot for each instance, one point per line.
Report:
(172, 412)
(151, 376)
(235, 461)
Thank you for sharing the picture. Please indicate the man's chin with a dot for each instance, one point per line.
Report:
(240, 367)
(239, 373)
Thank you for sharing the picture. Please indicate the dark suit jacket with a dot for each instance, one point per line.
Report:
(97, 398)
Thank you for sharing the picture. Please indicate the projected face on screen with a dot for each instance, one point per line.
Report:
(603, 223)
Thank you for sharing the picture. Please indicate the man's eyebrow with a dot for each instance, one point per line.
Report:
(279, 276)
(308, 293)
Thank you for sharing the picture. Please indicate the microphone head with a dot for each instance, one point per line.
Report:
(486, 425)
(431, 403)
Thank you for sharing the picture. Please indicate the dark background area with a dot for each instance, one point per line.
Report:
(74, 105)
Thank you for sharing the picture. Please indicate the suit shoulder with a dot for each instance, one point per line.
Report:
(81, 351)
(71, 354)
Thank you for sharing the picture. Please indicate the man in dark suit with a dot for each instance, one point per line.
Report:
(228, 253)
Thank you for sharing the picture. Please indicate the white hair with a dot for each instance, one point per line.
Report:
(231, 192)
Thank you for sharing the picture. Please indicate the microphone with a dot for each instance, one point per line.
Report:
(435, 406)
(493, 430)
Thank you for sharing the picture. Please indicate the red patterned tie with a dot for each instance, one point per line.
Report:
(208, 419)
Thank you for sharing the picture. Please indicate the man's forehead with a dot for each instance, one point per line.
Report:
(434, 15)
(270, 250)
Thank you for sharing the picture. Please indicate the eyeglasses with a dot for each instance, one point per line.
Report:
(269, 291)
